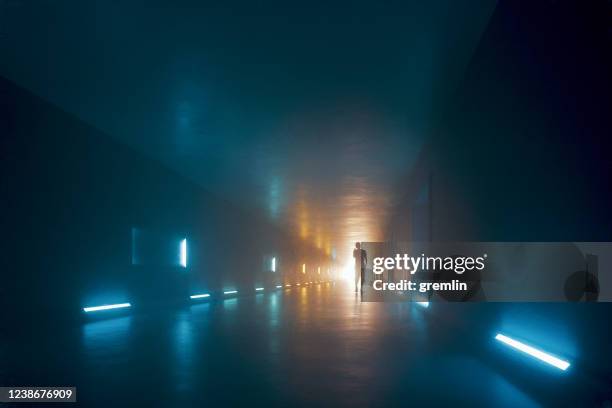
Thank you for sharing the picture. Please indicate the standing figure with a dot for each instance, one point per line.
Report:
(361, 260)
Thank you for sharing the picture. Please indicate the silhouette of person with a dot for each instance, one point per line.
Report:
(361, 259)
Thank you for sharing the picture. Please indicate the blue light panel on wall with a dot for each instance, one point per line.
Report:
(184, 253)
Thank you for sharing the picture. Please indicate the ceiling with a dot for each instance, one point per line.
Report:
(309, 112)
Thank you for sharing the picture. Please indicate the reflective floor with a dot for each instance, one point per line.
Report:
(306, 346)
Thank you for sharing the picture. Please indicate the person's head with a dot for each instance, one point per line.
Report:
(357, 245)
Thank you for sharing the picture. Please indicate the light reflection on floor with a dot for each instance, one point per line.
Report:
(305, 346)
(107, 336)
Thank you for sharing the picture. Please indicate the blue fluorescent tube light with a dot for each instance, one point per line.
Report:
(229, 292)
(273, 264)
(534, 352)
(184, 253)
(106, 307)
(259, 289)
(424, 304)
(279, 286)
(203, 295)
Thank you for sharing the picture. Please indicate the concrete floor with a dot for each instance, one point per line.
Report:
(307, 346)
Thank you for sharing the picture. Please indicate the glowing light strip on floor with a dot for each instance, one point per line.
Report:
(230, 292)
(203, 295)
(540, 355)
(106, 307)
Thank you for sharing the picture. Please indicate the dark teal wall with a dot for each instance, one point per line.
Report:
(523, 153)
(70, 198)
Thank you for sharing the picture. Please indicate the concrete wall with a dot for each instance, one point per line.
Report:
(71, 197)
(523, 153)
